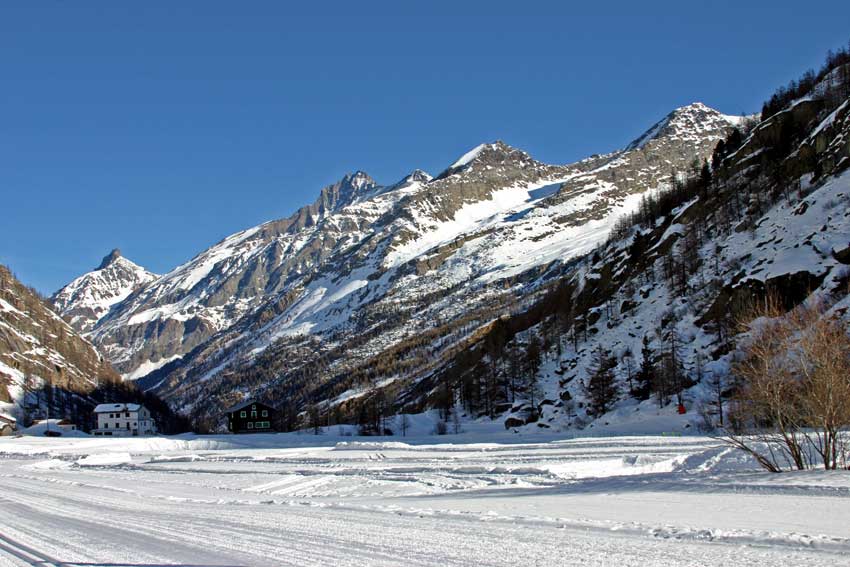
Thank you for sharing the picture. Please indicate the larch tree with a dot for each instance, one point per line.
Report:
(600, 388)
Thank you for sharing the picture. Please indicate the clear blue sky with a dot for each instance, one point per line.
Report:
(161, 127)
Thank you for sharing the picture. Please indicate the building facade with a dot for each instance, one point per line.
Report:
(123, 420)
(251, 417)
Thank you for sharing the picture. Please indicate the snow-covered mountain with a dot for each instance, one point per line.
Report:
(688, 124)
(311, 303)
(663, 298)
(38, 348)
(88, 298)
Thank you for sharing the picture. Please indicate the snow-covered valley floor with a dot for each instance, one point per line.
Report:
(307, 500)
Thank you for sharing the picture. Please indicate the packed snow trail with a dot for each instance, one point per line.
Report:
(272, 500)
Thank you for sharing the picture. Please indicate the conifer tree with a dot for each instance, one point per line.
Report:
(646, 373)
(600, 386)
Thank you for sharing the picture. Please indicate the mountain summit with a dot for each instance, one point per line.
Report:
(88, 298)
(490, 155)
(691, 122)
(110, 258)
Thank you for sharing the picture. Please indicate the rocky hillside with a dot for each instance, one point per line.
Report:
(371, 284)
(650, 321)
(38, 349)
(89, 298)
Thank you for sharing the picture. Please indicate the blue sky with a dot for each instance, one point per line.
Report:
(161, 127)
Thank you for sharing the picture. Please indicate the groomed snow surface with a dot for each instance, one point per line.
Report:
(516, 499)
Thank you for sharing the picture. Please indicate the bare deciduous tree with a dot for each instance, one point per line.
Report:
(793, 398)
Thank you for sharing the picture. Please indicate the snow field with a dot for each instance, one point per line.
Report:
(309, 500)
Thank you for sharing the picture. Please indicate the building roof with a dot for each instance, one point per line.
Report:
(104, 408)
(243, 405)
(53, 421)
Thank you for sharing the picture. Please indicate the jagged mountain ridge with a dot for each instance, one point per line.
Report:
(37, 347)
(209, 293)
(89, 298)
(774, 219)
(363, 251)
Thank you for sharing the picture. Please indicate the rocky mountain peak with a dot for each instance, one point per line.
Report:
(489, 154)
(342, 193)
(359, 180)
(90, 297)
(109, 259)
(690, 122)
(417, 176)
(497, 154)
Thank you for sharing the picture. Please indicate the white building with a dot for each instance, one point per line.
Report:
(124, 420)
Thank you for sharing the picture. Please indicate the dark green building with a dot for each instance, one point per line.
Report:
(251, 417)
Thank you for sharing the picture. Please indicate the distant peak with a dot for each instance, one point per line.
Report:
(418, 175)
(697, 105)
(694, 111)
(110, 258)
(359, 179)
(689, 119)
(497, 149)
(468, 156)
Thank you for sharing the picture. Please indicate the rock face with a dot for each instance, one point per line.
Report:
(178, 312)
(37, 347)
(300, 306)
(668, 148)
(89, 298)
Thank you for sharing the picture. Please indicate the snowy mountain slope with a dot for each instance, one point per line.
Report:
(674, 146)
(689, 123)
(37, 347)
(89, 298)
(795, 248)
(696, 270)
(181, 310)
(297, 306)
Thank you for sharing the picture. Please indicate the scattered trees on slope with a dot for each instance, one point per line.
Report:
(835, 60)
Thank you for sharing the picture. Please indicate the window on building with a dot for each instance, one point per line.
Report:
(243, 414)
(250, 425)
(265, 413)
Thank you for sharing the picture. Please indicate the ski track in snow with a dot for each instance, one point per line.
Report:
(303, 500)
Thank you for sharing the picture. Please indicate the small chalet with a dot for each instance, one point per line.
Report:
(8, 425)
(251, 417)
(123, 420)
